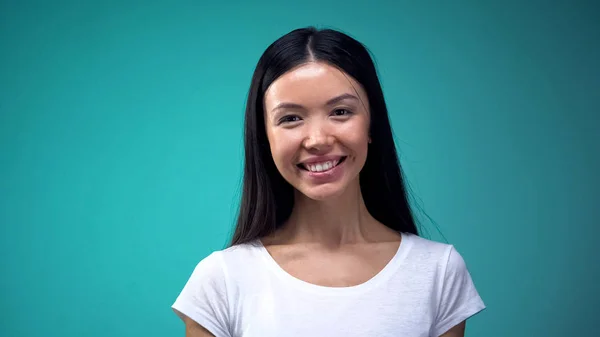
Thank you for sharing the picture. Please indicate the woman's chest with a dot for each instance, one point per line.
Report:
(349, 267)
(374, 314)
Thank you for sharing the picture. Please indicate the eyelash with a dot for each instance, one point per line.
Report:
(288, 118)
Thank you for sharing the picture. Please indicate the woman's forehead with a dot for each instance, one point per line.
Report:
(314, 82)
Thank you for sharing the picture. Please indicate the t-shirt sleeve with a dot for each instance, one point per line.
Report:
(204, 297)
(457, 296)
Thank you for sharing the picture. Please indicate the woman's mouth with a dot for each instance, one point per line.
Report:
(321, 167)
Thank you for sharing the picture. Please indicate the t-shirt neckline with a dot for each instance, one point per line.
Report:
(383, 275)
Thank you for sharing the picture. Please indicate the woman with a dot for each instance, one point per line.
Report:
(325, 243)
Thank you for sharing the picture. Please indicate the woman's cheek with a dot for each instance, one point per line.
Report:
(283, 149)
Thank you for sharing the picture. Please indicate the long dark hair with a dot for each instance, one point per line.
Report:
(267, 199)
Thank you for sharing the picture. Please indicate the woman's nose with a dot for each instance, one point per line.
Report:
(318, 139)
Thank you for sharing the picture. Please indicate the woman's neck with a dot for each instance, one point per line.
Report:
(333, 222)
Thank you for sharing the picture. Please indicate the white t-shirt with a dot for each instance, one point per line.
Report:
(241, 291)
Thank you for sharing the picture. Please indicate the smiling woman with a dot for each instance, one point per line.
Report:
(326, 243)
(318, 139)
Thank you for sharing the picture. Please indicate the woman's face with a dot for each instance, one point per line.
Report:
(317, 123)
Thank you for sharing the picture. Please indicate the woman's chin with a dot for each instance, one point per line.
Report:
(322, 193)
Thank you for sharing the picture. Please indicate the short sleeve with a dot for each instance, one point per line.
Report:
(458, 298)
(204, 296)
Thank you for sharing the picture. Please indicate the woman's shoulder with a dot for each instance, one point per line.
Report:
(440, 265)
(422, 244)
(218, 261)
(209, 290)
(431, 252)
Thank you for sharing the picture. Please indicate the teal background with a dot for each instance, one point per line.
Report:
(121, 134)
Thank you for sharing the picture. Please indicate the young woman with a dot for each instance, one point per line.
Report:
(325, 244)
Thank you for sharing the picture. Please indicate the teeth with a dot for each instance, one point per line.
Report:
(320, 167)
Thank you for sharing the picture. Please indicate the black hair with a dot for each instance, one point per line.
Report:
(267, 198)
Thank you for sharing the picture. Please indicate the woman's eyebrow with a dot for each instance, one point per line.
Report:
(285, 105)
(295, 106)
(341, 98)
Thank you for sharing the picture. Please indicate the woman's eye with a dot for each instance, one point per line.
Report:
(341, 112)
(289, 119)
